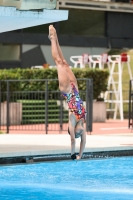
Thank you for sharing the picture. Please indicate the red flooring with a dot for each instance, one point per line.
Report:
(111, 127)
(108, 127)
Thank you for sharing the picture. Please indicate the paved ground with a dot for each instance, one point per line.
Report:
(21, 145)
(108, 136)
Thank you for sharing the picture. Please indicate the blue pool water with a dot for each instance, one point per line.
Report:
(103, 179)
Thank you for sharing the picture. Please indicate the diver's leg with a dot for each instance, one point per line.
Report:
(69, 71)
(64, 80)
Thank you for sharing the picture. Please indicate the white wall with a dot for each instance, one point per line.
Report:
(12, 52)
(67, 51)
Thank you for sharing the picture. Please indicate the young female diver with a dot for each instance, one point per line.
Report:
(69, 89)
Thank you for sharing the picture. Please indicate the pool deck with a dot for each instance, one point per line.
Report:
(111, 136)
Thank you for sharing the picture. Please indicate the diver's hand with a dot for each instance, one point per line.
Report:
(78, 157)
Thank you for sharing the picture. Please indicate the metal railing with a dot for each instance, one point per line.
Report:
(130, 109)
(112, 98)
(111, 105)
(31, 105)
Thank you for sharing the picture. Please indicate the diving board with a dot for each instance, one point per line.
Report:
(34, 13)
(30, 4)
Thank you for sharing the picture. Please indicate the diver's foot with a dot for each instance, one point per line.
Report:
(52, 32)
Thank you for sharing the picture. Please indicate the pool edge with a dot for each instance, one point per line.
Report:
(62, 157)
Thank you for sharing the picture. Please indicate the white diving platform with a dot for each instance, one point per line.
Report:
(14, 15)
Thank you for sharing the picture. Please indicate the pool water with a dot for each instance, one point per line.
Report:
(101, 179)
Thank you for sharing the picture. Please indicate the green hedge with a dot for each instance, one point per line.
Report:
(99, 79)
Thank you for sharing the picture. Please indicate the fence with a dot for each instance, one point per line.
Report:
(32, 105)
(130, 114)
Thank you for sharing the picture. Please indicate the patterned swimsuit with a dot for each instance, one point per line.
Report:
(75, 104)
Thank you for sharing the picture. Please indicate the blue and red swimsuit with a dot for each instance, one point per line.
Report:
(75, 104)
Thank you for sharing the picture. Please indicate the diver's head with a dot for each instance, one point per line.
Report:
(78, 133)
(77, 126)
